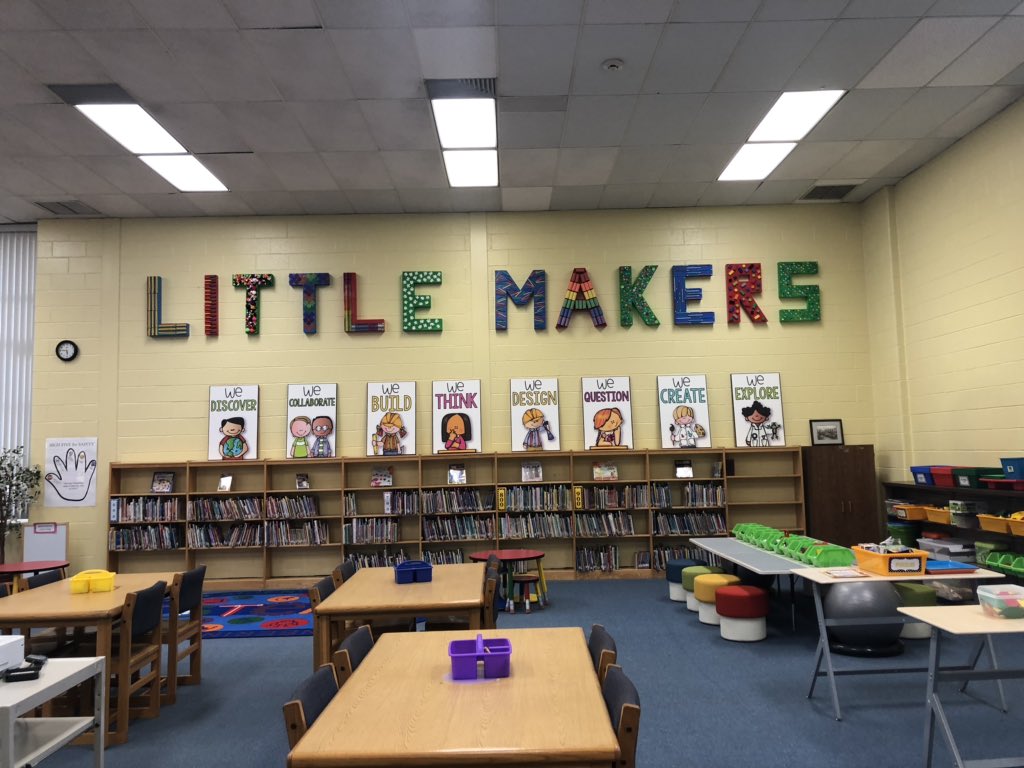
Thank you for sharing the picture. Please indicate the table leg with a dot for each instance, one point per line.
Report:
(510, 575)
(321, 640)
(542, 586)
(104, 633)
(929, 721)
(100, 715)
(995, 665)
(824, 651)
(474, 619)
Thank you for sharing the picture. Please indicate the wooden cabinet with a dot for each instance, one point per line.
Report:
(842, 494)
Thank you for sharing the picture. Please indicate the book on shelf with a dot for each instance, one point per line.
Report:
(684, 468)
(163, 482)
(456, 474)
(225, 483)
(381, 477)
(532, 471)
(301, 481)
(605, 470)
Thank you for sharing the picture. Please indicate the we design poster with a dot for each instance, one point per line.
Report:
(607, 413)
(391, 418)
(534, 408)
(683, 411)
(312, 415)
(457, 416)
(757, 410)
(234, 422)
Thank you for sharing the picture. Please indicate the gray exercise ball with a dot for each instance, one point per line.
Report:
(863, 600)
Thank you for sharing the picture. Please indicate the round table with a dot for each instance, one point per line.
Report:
(509, 557)
(9, 570)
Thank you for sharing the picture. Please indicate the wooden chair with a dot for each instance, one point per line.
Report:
(351, 653)
(308, 701)
(623, 704)
(344, 572)
(320, 592)
(46, 641)
(602, 650)
(186, 597)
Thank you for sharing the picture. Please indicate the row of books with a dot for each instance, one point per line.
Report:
(288, 508)
(240, 508)
(597, 558)
(540, 498)
(145, 509)
(310, 532)
(444, 556)
(451, 500)
(380, 559)
(144, 538)
(690, 495)
(370, 530)
(205, 536)
(456, 528)
(604, 524)
(663, 553)
(614, 497)
(689, 523)
(535, 526)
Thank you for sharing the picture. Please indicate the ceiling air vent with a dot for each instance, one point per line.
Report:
(69, 208)
(465, 88)
(829, 192)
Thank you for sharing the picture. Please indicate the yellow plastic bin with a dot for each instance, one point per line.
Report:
(92, 581)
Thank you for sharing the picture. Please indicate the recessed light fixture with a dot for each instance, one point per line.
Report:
(465, 123)
(794, 114)
(132, 127)
(471, 167)
(465, 113)
(755, 161)
(185, 172)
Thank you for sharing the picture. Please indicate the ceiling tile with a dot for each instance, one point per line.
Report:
(991, 102)
(811, 159)
(868, 188)
(690, 57)
(129, 174)
(173, 205)
(597, 121)
(859, 113)
(779, 192)
(636, 12)
(641, 165)
(998, 53)
(321, 203)
(662, 118)
(200, 127)
(868, 158)
(530, 129)
(728, 192)
(120, 206)
(847, 52)
(19, 139)
(20, 210)
(920, 153)
(380, 63)
(926, 50)
(400, 123)
(456, 52)
(925, 112)
(535, 61)
(266, 126)
(95, 14)
(358, 170)
(714, 10)
(300, 171)
(450, 13)
(768, 55)
(273, 14)
(626, 195)
(222, 63)
(575, 198)
(971, 7)
(634, 44)
(362, 14)
(527, 167)
(52, 57)
(23, 180)
(25, 14)
(583, 167)
(273, 203)
(20, 88)
(184, 14)
(334, 125)
(416, 169)
(880, 9)
(677, 194)
(302, 63)
(525, 198)
(1014, 78)
(218, 203)
(791, 10)
(699, 163)
(67, 129)
(425, 200)
(726, 117)
(374, 200)
(539, 12)
(1019, 10)
(475, 198)
(242, 172)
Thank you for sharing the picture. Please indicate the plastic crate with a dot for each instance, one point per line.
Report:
(985, 548)
(902, 564)
(830, 556)
(910, 512)
(1013, 468)
(943, 476)
(994, 523)
(1003, 484)
(970, 477)
(92, 581)
(1004, 601)
(937, 515)
(1016, 526)
(949, 549)
(922, 475)
(411, 571)
(495, 653)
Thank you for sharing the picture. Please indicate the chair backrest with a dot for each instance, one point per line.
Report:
(187, 592)
(42, 579)
(143, 611)
(491, 599)
(497, 602)
(321, 591)
(623, 704)
(493, 561)
(308, 700)
(348, 569)
(602, 650)
(5, 589)
(351, 653)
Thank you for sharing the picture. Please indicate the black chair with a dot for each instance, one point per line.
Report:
(623, 704)
(186, 597)
(47, 641)
(344, 572)
(602, 650)
(350, 655)
(42, 579)
(308, 700)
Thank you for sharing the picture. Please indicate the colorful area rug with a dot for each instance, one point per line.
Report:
(256, 614)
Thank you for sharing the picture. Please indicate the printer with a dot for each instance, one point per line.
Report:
(12, 651)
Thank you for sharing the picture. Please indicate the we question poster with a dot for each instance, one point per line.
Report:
(607, 413)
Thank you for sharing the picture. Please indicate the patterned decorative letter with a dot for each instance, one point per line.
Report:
(411, 302)
(581, 295)
(631, 296)
(352, 322)
(308, 281)
(742, 284)
(252, 285)
(155, 325)
(681, 295)
(787, 290)
(535, 288)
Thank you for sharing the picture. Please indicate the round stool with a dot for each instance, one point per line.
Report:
(915, 593)
(704, 587)
(674, 575)
(691, 573)
(741, 612)
(524, 580)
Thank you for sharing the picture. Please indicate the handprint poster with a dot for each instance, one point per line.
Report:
(70, 472)
(534, 410)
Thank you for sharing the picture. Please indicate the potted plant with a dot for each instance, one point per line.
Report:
(19, 487)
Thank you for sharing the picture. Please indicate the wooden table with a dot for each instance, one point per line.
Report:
(454, 590)
(9, 570)
(509, 558)
(401, 708)
(962, 620)
(53, 605)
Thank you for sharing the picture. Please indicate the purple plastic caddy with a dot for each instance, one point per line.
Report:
(495, 653)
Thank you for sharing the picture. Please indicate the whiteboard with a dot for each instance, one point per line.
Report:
(45, 541)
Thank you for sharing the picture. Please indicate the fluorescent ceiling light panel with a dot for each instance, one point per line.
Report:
(755, 161)
(465, 123)
(184, 172)
(794, 114)
(132, 127)
(471, 167)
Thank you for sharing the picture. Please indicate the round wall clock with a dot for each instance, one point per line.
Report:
(67, 350)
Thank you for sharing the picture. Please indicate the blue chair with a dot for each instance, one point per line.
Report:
(602, 650)
(351, 653)
(623, 703)
(308, 700)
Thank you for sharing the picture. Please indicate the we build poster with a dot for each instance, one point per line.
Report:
(234, 422)
(390, 418)
(457, 416)
(312, 413)
(533, 404)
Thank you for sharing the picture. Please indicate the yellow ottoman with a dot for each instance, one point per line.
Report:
(704, 587)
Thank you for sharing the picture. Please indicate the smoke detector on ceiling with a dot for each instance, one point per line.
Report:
(612, 65)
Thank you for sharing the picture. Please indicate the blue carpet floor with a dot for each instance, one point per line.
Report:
(707, 703)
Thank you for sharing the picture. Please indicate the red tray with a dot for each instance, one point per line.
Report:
(1004, 485)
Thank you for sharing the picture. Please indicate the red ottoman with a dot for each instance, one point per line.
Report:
(741, 612)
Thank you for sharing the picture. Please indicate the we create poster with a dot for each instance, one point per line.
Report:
(534, 408)
(312, 414)
(457, 416)
(757, 409)
(234, 421)
(607, 413)
(683, 411)
(390, 418)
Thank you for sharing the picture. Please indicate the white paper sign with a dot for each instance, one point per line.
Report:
(234, 422)
(457, 416)
(607, 413)
(390, 418)
(757, 409)
(312, 413)
(683, 407)
(534, 409)
(69, 476)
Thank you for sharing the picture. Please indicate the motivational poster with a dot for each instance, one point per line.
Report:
(391, 418)
(312, 415)
(757, 409)
(683, 411)
(457, 416)
(534, 410)
(234, 422)
(607, 413)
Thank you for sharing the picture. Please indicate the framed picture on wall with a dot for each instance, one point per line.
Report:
(827, 432)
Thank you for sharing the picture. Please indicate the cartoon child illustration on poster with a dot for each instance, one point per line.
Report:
(300, 428)
(608, 423)
(323, 428)
(761, 433)
(457, 428)
(537, 427)
(233, 446)
(684, 429)
(389, 434)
